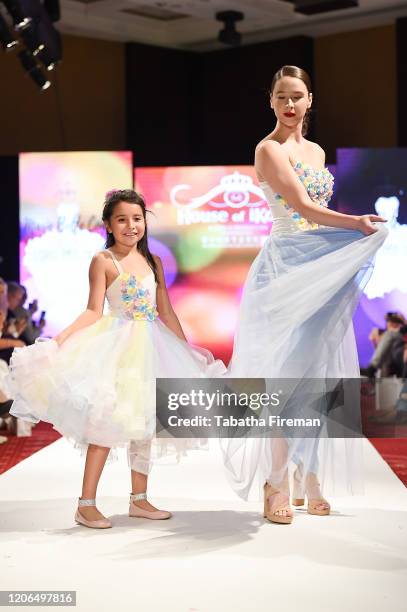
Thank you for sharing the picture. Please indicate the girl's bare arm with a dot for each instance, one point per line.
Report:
(94, 308)
(164, 307)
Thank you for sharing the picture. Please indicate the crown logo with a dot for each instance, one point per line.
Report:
(235, 188)
(236, 182)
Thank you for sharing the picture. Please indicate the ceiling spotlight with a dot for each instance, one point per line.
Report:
(42, 38)
(20, 19)
(38, 49)
(43, 56)
(23, 24)
(31, 40)
(7, 40)
(45, 83)
(32, 68)
(229, 35)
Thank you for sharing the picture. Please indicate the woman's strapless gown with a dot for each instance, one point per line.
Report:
(295, 321)
(98, 387)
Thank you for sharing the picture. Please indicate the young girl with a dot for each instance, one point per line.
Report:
(95, 382)
(296, 312)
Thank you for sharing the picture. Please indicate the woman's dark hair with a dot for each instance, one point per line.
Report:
(298, 73)
(131, 196)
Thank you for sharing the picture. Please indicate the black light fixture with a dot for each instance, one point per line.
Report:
(39, 36)
(33, 19)
(31, 40)
(49, 51)
(229, 35)
(33, 70)
(18, 14)
(7, 40)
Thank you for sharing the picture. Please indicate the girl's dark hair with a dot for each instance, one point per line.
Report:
(298, 73)
(131, 196)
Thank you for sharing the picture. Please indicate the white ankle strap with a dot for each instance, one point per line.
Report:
(138, 496)
(86, 502)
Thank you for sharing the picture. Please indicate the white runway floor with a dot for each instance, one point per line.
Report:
(216, 554)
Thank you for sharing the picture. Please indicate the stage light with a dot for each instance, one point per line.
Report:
(31, 40)
(46, 57)
(7, 40)
(41, 38)
(21, 18)
(42, 41)
(229, 35)
(38, 49)
(32, 68)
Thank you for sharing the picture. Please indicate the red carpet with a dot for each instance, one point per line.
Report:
(17, 449)
(394, 451)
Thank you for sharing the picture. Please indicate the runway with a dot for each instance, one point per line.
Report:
(216, 554)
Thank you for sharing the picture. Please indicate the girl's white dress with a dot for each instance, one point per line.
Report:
(295, 321)
(98, 387)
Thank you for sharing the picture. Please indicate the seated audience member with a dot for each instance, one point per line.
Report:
(5, 402)
(3, 296)
(12, 327)
(398, 414)
(13, 425)
(32, 330)
(375, 336)
(387, 347)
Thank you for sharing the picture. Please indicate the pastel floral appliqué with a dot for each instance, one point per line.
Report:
(319, 185)
(136, 299)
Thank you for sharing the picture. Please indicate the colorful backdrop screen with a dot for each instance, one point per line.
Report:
(207, 224)
(61, 199)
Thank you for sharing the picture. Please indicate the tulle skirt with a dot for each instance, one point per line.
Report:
(295, 321)
(98, 387)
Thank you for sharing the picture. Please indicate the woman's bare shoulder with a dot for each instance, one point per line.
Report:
(267, 141)
(316, 150)
(269, 151)
(270, 147)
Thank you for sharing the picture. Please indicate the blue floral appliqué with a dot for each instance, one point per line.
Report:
(319, 185)
(136, 299)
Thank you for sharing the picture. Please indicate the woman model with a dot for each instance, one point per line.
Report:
(295, 318)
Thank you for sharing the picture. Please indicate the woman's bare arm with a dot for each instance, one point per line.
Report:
(94, 309)
(275, 167)
(164, 307)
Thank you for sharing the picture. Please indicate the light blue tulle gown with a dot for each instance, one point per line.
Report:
(295, 321)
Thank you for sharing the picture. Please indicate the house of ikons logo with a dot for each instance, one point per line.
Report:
(235, 200)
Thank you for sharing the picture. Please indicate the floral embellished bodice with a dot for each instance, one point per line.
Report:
(131, 296)
(319, 185)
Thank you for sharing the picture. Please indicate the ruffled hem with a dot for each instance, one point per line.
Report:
(99, 386)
